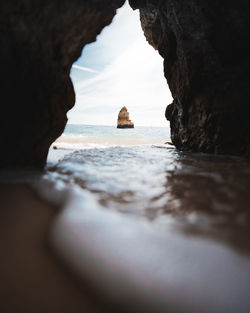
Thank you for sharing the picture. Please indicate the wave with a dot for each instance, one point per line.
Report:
(85, 142)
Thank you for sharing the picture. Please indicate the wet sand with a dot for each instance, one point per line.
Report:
(32, 279)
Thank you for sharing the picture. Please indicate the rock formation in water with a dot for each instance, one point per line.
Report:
(206, 51)
(205, 46)
(123, 120)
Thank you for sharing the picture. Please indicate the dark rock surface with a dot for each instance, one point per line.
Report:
(39, 41)
(206, 51)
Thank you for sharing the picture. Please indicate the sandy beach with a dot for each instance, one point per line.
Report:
(32, 279)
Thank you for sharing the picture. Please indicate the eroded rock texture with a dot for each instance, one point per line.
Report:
(39, 42)
(206, 51)
(123, 120)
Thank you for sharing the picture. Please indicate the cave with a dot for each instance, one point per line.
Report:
(206, 64)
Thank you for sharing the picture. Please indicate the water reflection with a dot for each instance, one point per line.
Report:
(210, 195)
(198, 194)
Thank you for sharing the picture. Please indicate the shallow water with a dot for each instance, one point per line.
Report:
(207, 195)
(168, 231)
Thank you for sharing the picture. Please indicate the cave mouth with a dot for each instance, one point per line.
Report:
(120, 69)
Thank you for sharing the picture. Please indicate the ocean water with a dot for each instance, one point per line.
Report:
(90, 136)
(150, 228)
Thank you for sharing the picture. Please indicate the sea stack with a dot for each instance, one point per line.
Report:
(123, 119)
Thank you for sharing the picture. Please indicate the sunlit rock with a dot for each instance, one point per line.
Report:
(123, 119)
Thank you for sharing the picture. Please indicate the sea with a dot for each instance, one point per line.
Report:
(148, 227)
(92, 136)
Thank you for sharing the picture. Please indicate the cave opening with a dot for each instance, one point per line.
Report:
(119, 69)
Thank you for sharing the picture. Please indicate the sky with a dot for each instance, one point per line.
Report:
(120, 69)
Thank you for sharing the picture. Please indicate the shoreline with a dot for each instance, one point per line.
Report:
(32, 277)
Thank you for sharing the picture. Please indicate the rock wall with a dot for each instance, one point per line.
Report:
(40, 40)
(206, 51)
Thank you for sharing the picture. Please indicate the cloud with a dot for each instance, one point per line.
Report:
(82, 68)
(113, 40)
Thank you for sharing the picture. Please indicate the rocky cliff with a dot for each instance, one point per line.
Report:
(123, 120)
(39, 41)
(206, 51)
(205, 46)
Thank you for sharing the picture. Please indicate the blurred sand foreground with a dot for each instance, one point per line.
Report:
(32, 279)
